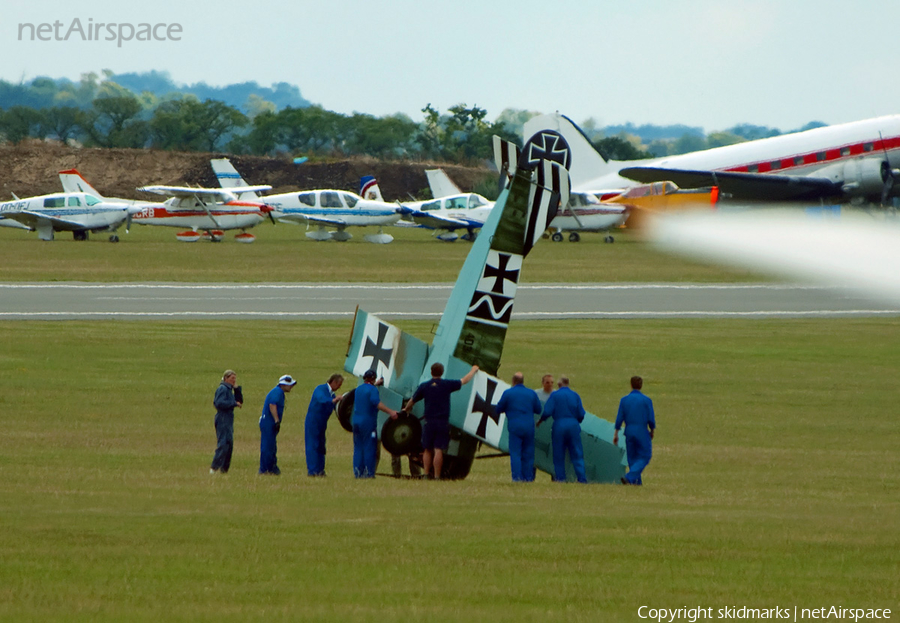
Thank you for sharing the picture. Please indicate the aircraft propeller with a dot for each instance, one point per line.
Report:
(887, 175)
(267, 210)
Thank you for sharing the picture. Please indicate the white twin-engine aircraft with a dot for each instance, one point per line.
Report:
(854, 162)
(324, 209)
(80, 210)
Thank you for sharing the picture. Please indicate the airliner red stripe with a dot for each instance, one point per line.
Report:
(829, 156)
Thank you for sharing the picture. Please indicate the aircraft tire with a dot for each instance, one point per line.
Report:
(80, 235)
(609, 239)
(345, 411)
(114, 238)
(556, 237)
(402, 436)
(574, 237)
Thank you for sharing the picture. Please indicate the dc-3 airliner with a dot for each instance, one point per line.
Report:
(326, 210)
(473, 328)
(81, 211)
(854, 162)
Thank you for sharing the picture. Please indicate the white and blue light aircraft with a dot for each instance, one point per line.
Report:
(78, 212)
(330, 211)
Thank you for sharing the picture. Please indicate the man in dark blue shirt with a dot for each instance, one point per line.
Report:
(366, 405)
(565, 407)
(520, 404)
(636, 412)
(436, 435)
(321, 404)
(224, 402)
(270, 425)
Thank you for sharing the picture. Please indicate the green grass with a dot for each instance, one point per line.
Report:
(774, 480)
(283, 254)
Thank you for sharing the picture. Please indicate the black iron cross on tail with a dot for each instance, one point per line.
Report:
(485, 406)
(377, 351)
(500, 273)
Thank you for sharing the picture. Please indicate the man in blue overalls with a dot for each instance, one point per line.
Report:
(224, 402)
(366, 405)
(270, 425)
(320, 407)
(565, 407)
(520, 404)
(636, 412)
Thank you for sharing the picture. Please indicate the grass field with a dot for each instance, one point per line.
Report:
(283, 254)
(774, 480)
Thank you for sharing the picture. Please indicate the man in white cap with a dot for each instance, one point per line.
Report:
(270, 425)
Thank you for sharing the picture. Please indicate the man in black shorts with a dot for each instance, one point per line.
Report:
(436, 436)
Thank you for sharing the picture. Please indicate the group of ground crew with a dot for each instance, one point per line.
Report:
(519, 403)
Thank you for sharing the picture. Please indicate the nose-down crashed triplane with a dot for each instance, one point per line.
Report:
(473, 327)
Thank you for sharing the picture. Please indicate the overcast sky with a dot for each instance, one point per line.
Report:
(702, 63)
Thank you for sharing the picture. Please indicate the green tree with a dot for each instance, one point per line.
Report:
(720, 139)
(18, 123)
(190, 125)
(620, 148)
(61, 122)
(115, 122)
(688, 143)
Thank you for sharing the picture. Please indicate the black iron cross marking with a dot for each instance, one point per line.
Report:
(548, 145)
(485, 406)
(500, 273)
(377, 351)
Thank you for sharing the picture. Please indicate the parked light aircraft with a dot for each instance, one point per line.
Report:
(210, 210)
(338, 209)
(77, 212)
(472, 331)
(453, 209)
(852, 161)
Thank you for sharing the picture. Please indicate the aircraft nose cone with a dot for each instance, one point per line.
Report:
(404, 210)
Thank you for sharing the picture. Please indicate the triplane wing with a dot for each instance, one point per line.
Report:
(473, 327)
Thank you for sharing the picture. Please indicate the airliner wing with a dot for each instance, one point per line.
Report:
(33, 219)
(743, 186)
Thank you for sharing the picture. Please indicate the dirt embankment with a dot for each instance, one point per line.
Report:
(31, 168)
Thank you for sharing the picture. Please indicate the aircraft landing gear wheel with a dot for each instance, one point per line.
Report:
(80, 235)
(556, 237)
(609, 239)
(345, 411)
(114, 238)
(574, 237)
(402, 436)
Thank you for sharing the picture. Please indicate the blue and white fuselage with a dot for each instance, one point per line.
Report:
(78, 212)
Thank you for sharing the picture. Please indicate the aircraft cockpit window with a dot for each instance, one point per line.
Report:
(330, 199)
(74, 201)
(868, 146)
(775, 165)
(349, 199)
(576, 200)
(431, 205)
(308, 199)
(753, 168)
(459, 203)
(670, 188)
(91, 200)
(657, 188)
(55, 202)
(798, 160)
(820, 156)
(476, 201)
(845, 151)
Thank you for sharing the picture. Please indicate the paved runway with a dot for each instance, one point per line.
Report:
(69, 301)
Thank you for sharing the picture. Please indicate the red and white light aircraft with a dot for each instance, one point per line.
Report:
(208, 210)
(852, 161)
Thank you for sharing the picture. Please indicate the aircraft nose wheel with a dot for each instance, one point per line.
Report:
(574, 237)
(609, 239)
(556, 237)
(114, 238)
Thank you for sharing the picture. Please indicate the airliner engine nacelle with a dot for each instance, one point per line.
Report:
(861, 177)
